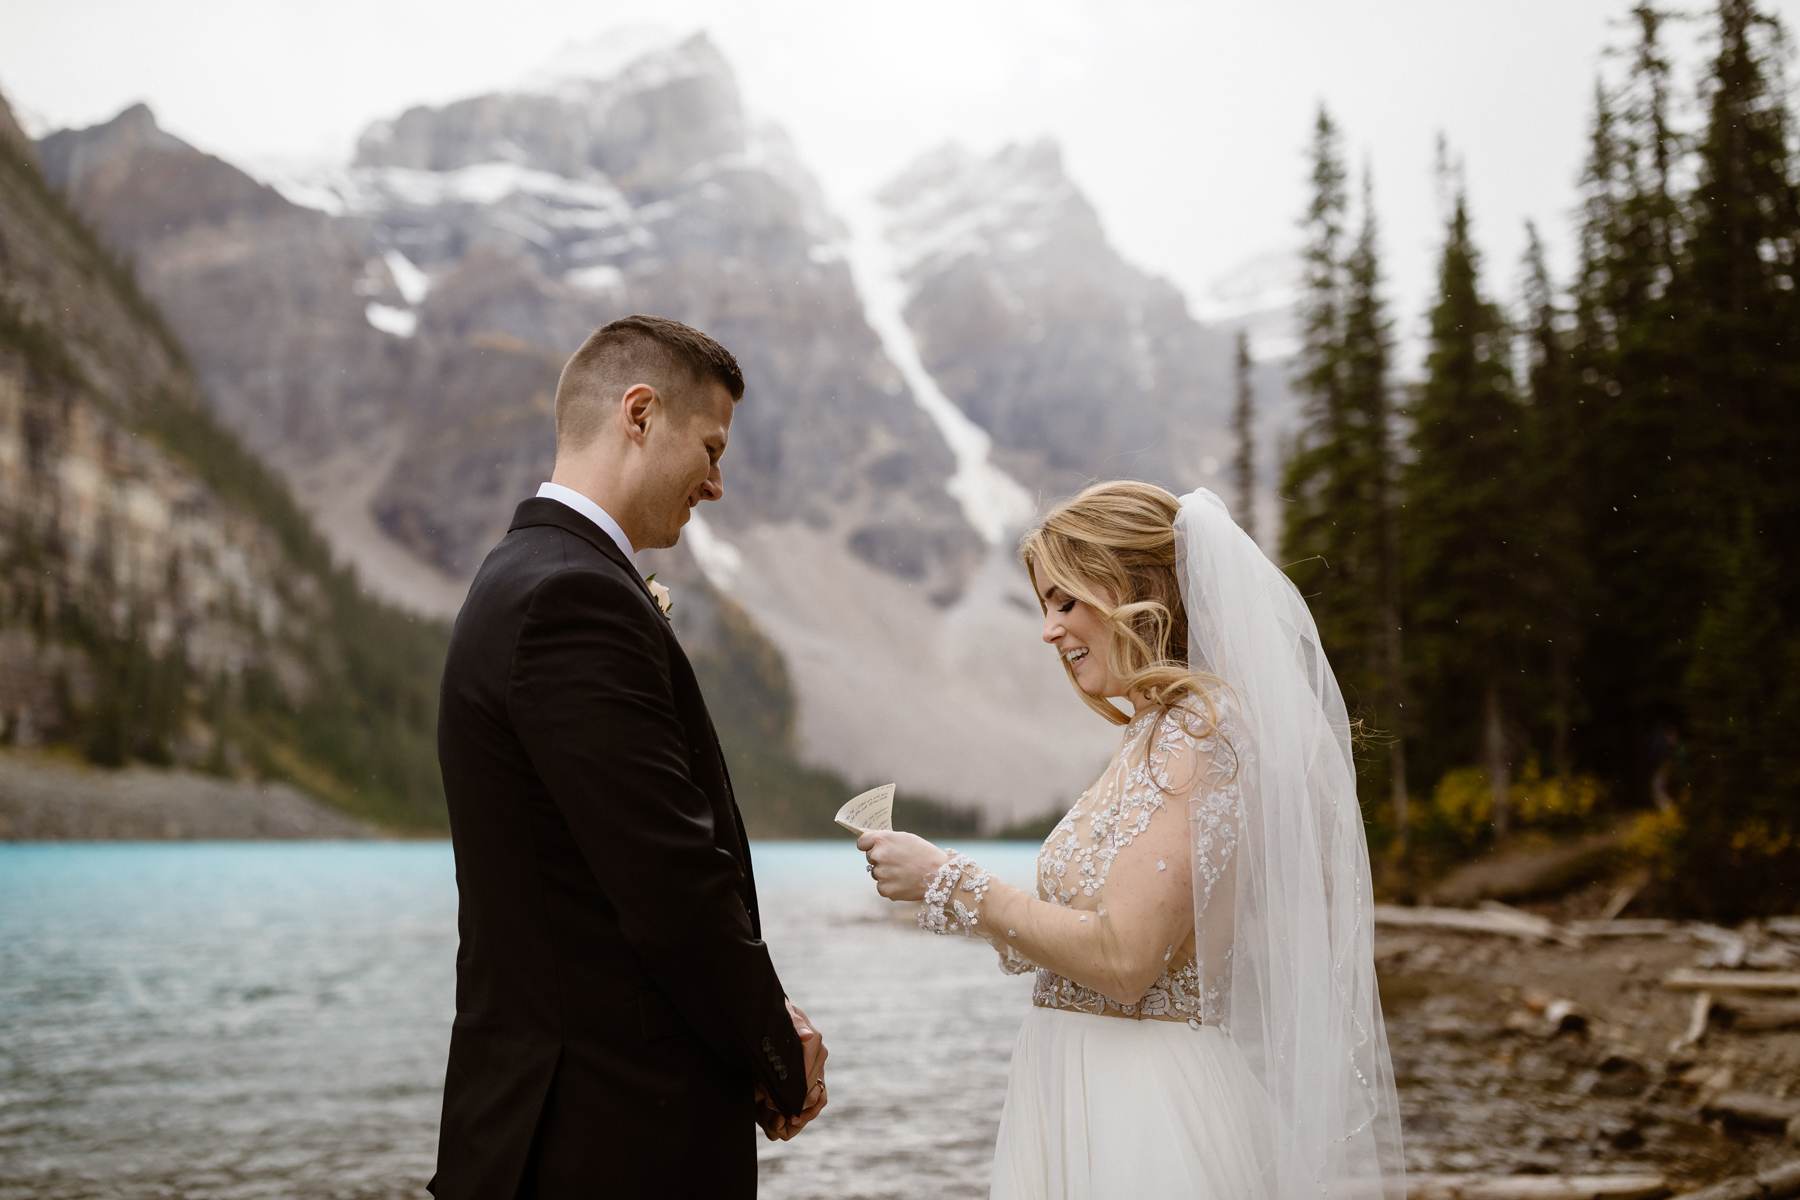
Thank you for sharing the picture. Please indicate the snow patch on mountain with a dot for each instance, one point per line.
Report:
(717, 558)
(591, 201)
(412, 282)
(481, 184)
(311, 183)
(994, 502)
(397, 322)
(602, 278)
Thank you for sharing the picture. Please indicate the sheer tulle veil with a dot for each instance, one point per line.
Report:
(1297, 971)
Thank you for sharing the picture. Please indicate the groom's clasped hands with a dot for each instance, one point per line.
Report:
(899, 863)
(776, 1125)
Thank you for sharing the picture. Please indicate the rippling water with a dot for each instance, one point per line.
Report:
(244, 1020)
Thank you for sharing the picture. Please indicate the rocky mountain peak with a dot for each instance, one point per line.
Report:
(952, 204)
(161, 597)
(640, 57)
(12, 137)
(137, 123)
(640, 113)
(472, 244)
(1026, 314)
(141, 182)
(72, 155)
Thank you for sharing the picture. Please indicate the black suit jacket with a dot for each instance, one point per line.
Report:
(615, 1004)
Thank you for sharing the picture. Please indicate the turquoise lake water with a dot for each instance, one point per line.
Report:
(211, 1020)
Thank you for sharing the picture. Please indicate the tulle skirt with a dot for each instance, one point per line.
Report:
(1100, 1107)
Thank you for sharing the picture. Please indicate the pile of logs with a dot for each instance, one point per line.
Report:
(1747, 978)
(1761, 950)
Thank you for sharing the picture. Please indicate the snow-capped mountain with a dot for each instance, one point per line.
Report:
(926, 367)
(1076, 363)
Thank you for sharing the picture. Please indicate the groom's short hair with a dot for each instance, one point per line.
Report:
(667, 355)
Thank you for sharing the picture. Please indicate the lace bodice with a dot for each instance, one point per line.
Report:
(1141, 787)
(1112, 928)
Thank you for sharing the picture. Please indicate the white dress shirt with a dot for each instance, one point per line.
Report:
(594, 513)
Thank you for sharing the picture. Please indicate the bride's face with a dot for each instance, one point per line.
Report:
(1078, 634)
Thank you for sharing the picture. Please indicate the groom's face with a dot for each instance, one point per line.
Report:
(683, 452)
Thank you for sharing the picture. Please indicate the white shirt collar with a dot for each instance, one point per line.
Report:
(594, 513)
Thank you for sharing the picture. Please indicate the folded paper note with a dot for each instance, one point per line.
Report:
(874, 809)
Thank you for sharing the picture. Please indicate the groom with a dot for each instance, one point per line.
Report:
(619, 1026)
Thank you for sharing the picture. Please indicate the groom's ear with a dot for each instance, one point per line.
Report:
(635, 409)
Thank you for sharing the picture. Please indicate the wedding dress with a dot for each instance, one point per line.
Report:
(1150, 1097)
(1204, 1021)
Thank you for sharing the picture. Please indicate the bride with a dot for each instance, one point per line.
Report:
(1205, 1020)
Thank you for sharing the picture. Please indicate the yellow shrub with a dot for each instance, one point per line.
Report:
(1655, 836)
(1463, 803)
(1538, 801)
(1756, 837)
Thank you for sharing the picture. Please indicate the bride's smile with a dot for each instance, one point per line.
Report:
(1078, 634)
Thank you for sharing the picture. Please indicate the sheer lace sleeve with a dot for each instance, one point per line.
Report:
(1215, 826)
(1113, 921)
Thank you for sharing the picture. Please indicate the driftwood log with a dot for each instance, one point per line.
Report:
(1770, 1114)
(1733, 981)
(1507, 922)
(1626, 927)
(1760, 1016)
(1728, 950)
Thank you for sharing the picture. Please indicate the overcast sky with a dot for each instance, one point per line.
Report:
(1186, 123)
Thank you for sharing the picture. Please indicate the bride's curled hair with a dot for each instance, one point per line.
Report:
(1112, 547)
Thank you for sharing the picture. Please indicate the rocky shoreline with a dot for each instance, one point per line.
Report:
(48, 799)
(1566, 1052)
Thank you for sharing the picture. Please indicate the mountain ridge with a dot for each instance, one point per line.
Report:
(895, 437)
(161, 598)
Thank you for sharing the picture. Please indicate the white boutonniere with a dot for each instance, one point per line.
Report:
(660, 594)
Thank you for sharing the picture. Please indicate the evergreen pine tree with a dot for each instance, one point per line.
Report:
(1738, 305)
(1336, 482)
(1463, 520)
(1312, 486)
(1739, 282)
(1338, 535)
(1558, 582)
(1243, 424)
(1371, 549)
(1740, 851)
(1643, 504)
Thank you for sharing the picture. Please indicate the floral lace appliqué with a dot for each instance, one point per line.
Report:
(1079, 854)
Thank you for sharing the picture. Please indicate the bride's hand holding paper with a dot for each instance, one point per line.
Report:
(901, 863)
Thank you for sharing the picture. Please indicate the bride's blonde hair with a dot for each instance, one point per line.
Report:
(1112, 547)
